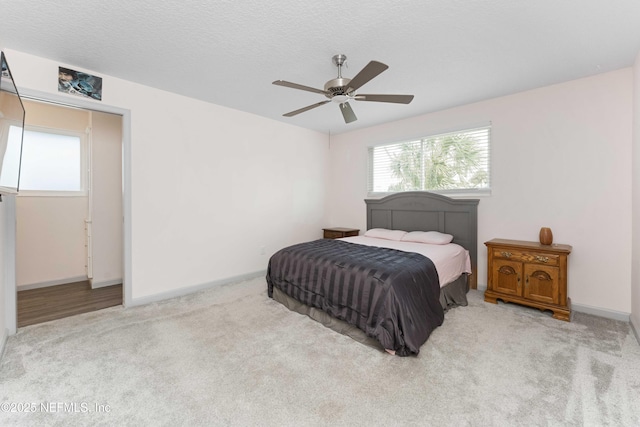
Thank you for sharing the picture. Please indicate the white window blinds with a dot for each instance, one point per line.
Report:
(448, 162)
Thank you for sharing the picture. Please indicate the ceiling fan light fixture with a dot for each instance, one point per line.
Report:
(340, 98)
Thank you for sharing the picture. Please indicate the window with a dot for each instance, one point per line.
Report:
(52, 162)
(445, 163)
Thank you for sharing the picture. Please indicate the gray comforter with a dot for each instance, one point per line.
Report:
(392, 296)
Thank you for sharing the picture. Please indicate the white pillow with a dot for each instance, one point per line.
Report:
(431, 237)
(383, 233)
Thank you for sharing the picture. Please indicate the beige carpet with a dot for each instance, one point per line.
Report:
(232, 357)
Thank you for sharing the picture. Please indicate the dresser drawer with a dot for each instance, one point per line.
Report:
(329, 234)
(339, 232)
(525, 256)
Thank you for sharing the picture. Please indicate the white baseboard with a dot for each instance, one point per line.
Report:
(95, 285)
(601, 312)
(51, 283)
(3, 343)
(191, 289)
(595, 311)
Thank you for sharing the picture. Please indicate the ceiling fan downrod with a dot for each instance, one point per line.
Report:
(339, 60)
(337, 86)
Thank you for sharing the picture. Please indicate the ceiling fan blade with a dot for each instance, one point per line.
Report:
(397, 99)
(297, 86)
(307, 108)
(371, 70)
(347, 113)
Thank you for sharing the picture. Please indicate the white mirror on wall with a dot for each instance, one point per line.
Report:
(12, 115)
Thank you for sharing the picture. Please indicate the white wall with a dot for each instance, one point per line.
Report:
(50, 240)
(3, 270)
(8, 295)
(5, 286)
(635, 285)
(210, 186)
(561, 158)
(106, 215)
(51, 230)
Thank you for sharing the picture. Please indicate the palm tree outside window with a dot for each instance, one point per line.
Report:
(445, 163)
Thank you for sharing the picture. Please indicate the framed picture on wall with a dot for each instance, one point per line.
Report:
(79, 83)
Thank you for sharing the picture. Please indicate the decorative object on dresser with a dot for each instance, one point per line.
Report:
(339, 232)
(546, 236)
(529, 273)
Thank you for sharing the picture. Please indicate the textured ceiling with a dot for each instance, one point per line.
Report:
(445, 52)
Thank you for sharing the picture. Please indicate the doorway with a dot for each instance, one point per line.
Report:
(69, 213)
(10, 211)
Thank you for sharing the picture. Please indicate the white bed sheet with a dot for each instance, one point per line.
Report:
(451, 260)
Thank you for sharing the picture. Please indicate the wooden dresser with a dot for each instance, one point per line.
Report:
(529, 273)
(338, 232)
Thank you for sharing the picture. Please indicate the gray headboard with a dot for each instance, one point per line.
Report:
(424, 211)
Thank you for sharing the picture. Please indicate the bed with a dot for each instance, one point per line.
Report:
(378, 294)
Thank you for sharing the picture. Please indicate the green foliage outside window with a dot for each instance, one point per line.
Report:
(455, 161)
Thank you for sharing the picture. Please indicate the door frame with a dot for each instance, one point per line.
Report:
(11, 294)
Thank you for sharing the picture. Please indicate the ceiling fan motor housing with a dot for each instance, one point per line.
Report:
(337, 86)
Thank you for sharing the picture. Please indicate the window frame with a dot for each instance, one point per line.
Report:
(84, 164)
(454, 193)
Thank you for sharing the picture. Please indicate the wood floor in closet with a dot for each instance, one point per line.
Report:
(55, 302)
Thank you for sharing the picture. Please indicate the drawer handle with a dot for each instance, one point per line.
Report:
(542, 258)
(506, 254)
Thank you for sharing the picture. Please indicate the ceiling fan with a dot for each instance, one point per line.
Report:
(342, 90)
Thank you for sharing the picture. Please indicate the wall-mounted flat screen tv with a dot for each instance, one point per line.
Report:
(11, 130)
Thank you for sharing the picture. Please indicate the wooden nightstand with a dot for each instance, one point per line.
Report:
(338, 232)
(529, 273)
